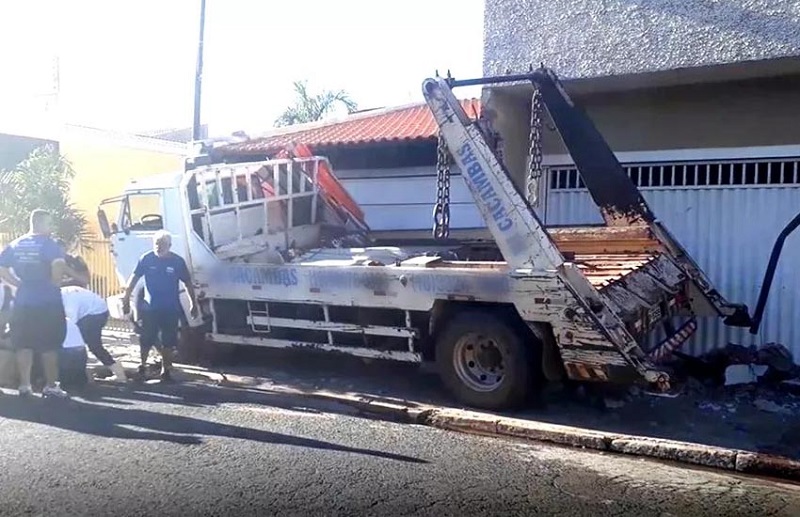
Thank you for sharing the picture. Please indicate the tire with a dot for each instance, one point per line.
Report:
(485, 362)
(192, 345)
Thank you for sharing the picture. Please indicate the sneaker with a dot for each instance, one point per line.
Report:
(119, 372)
(25, 392)
(54, 392)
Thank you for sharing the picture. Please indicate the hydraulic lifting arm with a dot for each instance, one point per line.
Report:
(518, 232)
(512, 221)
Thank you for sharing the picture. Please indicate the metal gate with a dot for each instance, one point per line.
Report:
(727, 213)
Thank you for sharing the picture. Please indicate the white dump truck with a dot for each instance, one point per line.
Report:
(281, 257)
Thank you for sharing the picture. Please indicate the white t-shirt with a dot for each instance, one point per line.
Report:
(74, 338)
(80, 302)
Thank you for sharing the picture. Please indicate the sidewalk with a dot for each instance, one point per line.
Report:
(716, 421)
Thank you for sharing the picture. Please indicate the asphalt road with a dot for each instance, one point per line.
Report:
(200, 450)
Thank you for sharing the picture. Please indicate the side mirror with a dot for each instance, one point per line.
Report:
(102, 220)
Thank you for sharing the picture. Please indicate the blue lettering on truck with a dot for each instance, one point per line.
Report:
(467, 284)
(253, 275)
(485, 189)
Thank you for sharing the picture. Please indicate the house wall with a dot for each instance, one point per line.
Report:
(15, 148)
(730, 114)
(591, 38)
(105, 162)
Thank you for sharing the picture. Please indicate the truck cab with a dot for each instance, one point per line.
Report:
(130, 221)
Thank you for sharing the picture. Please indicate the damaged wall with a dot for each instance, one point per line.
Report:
(729, 231)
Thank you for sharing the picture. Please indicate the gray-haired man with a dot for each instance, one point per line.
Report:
(162, 271)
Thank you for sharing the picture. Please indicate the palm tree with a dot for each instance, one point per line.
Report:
(42, 181)
(309, 108)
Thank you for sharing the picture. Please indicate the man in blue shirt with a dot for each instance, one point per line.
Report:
(35, 265)
(161, 312)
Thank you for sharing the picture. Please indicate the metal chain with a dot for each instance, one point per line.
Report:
(441, 211)
(535, 149)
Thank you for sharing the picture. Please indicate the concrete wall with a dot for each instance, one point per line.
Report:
(510, 116)
(722, 115)
(591, 38)
(734, 114)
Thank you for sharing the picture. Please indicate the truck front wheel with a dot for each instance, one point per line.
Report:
(485, 362)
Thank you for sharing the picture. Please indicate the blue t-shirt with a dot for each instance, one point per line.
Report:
(31, 257)
(161, 277)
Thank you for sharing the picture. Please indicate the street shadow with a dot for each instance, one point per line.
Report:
(200, 395)
(131, 423)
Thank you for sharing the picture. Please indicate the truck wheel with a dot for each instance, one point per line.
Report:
(191, 344)
(484, 361)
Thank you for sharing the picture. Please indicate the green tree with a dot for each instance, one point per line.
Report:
(308, 107)
(42, 181)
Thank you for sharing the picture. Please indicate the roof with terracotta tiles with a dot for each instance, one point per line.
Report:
(398, 124)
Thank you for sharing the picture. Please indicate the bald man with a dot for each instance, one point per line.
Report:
(35, 265)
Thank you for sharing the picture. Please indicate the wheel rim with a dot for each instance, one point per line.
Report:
(479, 362)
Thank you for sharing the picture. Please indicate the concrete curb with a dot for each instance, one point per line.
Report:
(746, 462)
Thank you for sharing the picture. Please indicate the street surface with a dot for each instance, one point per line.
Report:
(202, 450)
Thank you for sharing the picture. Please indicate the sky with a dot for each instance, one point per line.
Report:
(129, 65)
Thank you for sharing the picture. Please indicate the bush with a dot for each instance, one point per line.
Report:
(42, 181)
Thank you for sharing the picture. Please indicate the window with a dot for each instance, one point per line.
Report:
(227, 191)
(143, 213)
(109, 215)
(212, 194)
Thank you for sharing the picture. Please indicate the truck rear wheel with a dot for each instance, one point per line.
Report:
(484, 361)
(191, 345)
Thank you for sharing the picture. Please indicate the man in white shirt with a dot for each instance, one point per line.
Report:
(89, 313)
(72, 360)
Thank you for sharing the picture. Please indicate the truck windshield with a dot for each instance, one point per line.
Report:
(142, 212)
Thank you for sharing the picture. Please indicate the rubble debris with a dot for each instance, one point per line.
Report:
(791, 385)
(693, 386)
(776, 356)
(769, 406)
(736, 364)
(709, 406)
(744, 373)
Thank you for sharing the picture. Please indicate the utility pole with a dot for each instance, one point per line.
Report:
(198, 77)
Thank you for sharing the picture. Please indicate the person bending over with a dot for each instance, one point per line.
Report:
(90, 313)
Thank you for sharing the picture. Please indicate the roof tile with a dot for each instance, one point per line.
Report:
(387, 125)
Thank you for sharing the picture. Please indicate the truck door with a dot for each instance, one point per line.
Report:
(130, 222)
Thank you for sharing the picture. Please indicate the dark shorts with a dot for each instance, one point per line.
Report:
(39, 328)
(159, 325)
(72, 368)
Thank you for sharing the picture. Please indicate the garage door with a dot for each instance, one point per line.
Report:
(404, 201)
